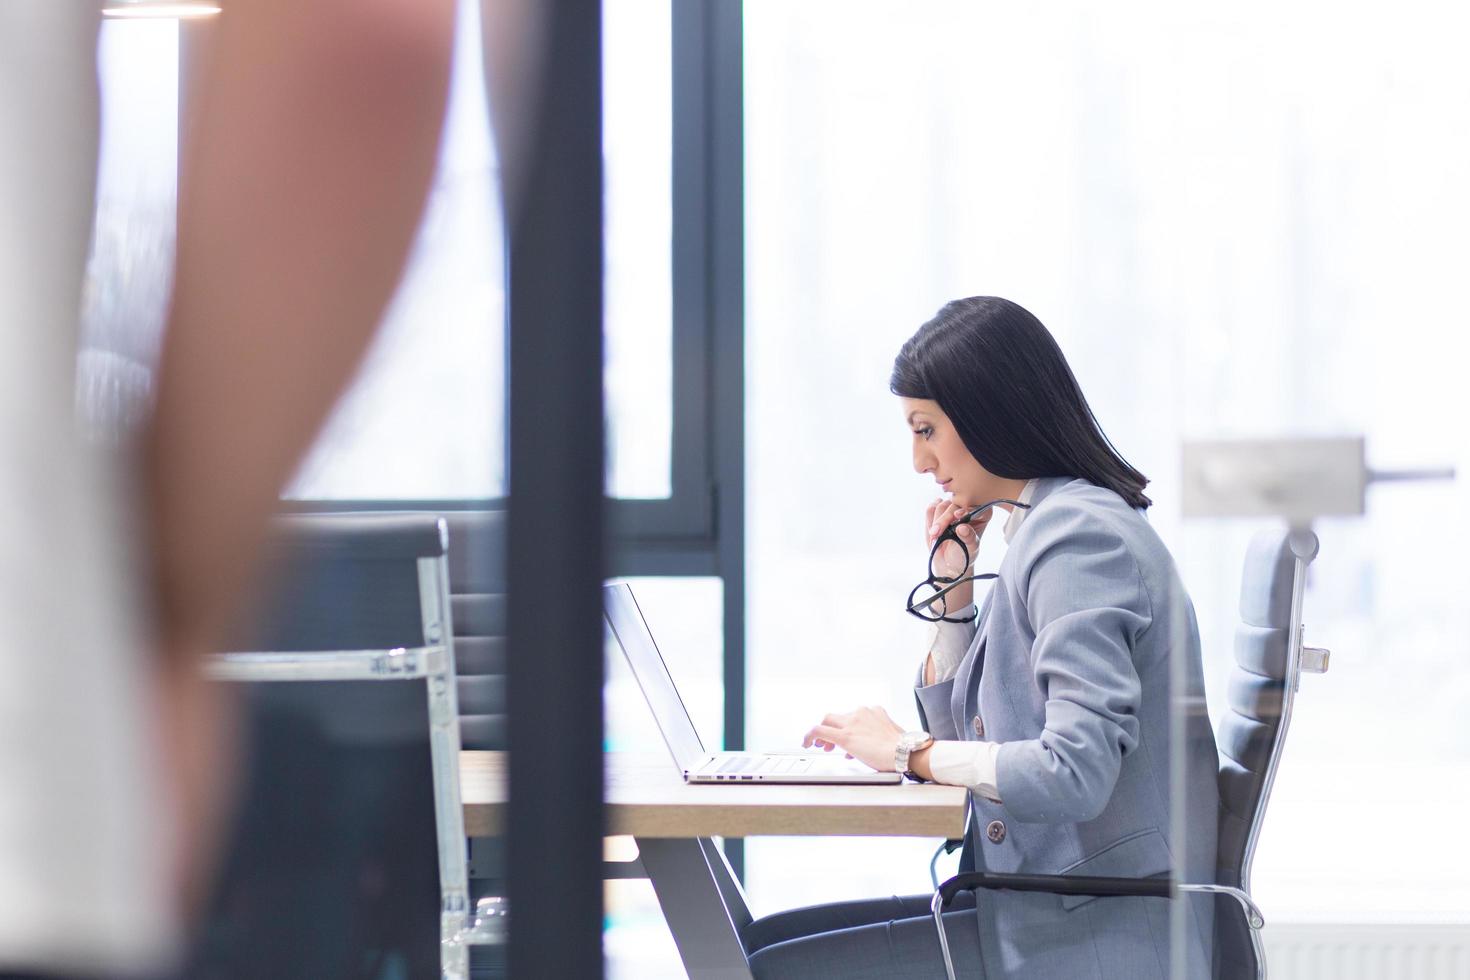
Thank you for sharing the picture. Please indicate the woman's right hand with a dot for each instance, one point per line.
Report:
(950, 561)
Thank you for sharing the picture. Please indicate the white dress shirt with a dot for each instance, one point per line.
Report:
(969, 764)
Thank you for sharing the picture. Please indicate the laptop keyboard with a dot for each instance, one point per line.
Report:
(763, 764)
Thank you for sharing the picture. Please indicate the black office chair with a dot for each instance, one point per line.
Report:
(1269, 661)
(348, 858)
(477, 587)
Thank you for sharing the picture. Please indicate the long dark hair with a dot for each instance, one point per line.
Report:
(1002, 380)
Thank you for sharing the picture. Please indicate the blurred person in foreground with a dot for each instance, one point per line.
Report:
(310, 149)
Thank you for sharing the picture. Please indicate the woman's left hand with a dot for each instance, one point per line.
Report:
(867, 734)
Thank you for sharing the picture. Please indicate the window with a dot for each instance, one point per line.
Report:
(638, 289)
(426, 416)
(685, 617)
(425, 420)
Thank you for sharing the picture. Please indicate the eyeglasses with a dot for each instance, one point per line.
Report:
(929, 599)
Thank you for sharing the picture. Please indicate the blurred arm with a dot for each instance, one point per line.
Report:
(312, 140)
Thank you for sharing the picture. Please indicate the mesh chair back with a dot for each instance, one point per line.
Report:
(477, 587)
(1253, 729)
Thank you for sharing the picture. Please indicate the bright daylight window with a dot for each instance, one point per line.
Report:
(426, 419)
(1218, 223)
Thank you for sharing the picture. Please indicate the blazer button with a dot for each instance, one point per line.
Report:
(979, 727)
(996, 831)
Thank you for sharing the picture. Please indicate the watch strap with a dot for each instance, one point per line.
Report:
(908, 744)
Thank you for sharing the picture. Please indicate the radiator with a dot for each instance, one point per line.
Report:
(1367, 952)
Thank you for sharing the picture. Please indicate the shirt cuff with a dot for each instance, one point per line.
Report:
(969, 764)
(951, 643)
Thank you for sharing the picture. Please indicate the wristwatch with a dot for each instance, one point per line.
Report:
(909, 743)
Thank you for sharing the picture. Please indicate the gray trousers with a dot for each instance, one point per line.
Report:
(875, 939)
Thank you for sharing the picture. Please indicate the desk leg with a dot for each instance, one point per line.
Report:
(702, 903)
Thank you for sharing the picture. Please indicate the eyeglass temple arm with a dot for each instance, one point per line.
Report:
(985, 506)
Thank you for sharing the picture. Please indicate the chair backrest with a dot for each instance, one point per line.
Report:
(1252, 732)
(477, 585)
(345, 582)
(348, 855)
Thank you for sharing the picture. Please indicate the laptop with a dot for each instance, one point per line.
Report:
(631, 631)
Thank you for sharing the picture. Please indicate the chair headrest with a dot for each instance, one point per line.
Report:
(361, 536)
(1268, 573)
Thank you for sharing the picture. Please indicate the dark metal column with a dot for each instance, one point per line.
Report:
(556, 526)
(709, 54)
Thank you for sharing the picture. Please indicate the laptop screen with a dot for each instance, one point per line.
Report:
(631, 631)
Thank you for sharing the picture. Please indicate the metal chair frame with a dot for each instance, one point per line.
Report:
(1299, 659)
(432, 662)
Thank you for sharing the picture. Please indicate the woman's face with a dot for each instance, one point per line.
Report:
(939, 451)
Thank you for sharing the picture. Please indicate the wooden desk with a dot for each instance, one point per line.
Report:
(673, 822)
(647, 797)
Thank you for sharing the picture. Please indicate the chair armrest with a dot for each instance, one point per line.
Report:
(1080, 885)
(1055, 884)
(1072, 885)
(1253, 916)
(492, 919)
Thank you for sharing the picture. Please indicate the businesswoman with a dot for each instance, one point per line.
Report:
(1050, 701)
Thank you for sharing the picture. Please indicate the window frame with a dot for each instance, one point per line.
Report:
(700, 528)
(669, 529)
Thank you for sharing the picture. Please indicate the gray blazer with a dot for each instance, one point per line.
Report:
(1069, 671)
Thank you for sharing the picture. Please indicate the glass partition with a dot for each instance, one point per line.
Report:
(637, 139)
(346, 852)
(1332, 203)
(1230, 232)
